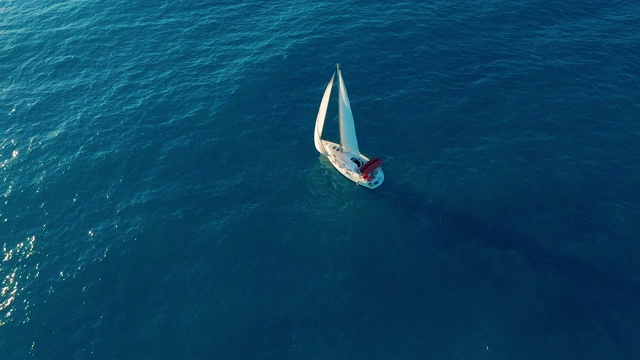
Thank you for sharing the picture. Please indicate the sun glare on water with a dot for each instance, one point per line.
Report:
(14, 272)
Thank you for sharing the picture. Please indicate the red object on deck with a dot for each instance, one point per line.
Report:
(370, 165)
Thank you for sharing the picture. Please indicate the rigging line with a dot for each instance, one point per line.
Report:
(387, 164)
(408, 208)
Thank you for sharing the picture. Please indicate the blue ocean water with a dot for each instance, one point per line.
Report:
(162, 197)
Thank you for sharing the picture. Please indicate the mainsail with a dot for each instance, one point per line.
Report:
(322, 114)
(347, 128)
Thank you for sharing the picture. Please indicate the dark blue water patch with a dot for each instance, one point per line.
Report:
(166, 199)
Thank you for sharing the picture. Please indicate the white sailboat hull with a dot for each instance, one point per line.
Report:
(344, 160)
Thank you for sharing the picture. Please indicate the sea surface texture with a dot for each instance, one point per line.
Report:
(161, 196)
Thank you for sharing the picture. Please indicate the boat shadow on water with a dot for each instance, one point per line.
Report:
(591, 289)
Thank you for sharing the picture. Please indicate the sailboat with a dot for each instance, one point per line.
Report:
(346, 156)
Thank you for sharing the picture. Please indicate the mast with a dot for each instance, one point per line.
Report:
(347, 127)
(339, 107)
(339, 93)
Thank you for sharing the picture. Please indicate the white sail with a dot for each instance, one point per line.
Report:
(347, 127)
(322, 114)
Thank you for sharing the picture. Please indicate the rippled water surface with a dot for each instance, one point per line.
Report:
(161, 196)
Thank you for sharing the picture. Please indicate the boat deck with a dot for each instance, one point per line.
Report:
(348, 163)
